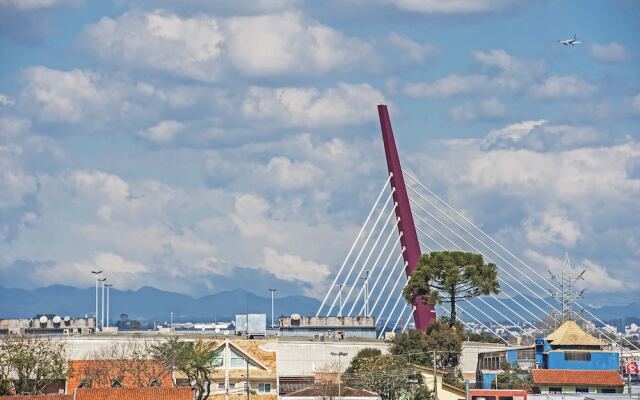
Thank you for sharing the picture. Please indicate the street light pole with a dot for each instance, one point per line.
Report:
(272, 315)
(339, 354)
(96, 273)
(340, 286)
(108, 285)
(103, 280)
(366, 293)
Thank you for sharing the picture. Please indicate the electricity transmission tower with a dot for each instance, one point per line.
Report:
(567, 294)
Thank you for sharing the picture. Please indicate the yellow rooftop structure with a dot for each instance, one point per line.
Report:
(570, 334)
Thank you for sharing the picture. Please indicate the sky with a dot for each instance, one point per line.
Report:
(200, 146)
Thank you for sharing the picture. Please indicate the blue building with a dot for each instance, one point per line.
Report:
(569, 349)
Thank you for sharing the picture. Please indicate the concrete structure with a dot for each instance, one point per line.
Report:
(469, 357)
(47, 326)
(331, 328)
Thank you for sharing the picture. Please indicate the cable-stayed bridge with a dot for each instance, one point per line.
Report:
(407, 219)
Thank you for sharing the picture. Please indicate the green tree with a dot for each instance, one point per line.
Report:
(389, 376)
(196, 360)
(30, 364)
(514, 378)
(456, 274)
(362, 354)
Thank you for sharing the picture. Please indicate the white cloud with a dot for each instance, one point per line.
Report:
(486, 109)
(12, 126)
(289, 43)
(163, 131)
(70, 96)
(611, 52)
(451, 85)
(6, 100)
(411, 50)
(539, 135)
(596, 279)
(562, 86)
(345, 104)
(552, 227)
(203, 47)
(189, 47)
(290, 267)
(289, 174)
(453, 6)
(14, 185)
(30, 5)
(500, 71)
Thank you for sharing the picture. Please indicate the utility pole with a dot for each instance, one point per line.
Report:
(340, 286)
(246, 360)
(272, 315)
(435, 377)
(366, 293)
(339, 354)
(108, 300)
(103, 280)
(171, 320)
(96, 273)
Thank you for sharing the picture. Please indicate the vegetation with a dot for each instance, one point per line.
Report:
(194, 359)
(484, 337)
(456, 274)
(514, 378)
(28, 364)
(389, 376)
(362, 355)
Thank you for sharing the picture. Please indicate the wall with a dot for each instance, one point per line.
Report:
(600, 360)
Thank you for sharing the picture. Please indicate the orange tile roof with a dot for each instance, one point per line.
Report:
(140, 393)
(101, 372)
(576, 377)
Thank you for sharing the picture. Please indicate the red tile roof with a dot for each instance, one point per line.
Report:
(140, 393)
(576, 377)
(101, 372)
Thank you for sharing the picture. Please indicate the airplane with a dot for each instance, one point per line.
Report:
(573, 41)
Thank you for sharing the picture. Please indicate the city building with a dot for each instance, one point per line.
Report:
(45, 325)
(495, 394)
(332, 328)
(561, 355)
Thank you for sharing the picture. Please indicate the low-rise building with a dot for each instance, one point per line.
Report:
(331, 328)
(556, 381)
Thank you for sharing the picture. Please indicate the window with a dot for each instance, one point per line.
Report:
(607, 390)
(553, 390)
(582, 390)
(264, 388)
(155, 382)
(236, 360)
(232, 385)
(218, 359)
(116, 382)
(221, 385)
(577, 356)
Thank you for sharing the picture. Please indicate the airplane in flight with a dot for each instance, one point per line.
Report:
(573, 41)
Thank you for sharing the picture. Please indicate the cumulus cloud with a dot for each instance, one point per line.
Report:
(293, 268)
(552, 227)
(596, 278)
(611, 52)
(498, 71)
(6, 100)
(411, 50)
(453, 6)
(29, 5)
(486, 109)
(345, 104)
(202, 47)
(69, 96)
(539, 135)
(163, 131)
(557, 86)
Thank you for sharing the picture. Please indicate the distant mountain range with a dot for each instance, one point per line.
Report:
(146, 303)
(149, 304)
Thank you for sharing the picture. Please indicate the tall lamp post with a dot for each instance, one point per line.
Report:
(103, 280)
(272, 315)
(339, 354)
(108, 285)
(96, 273)
(340, 286)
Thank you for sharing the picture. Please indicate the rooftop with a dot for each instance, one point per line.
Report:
(576, 377)
(570, 334)
(137, 393)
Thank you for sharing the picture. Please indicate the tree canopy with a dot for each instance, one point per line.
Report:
(450, 276)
